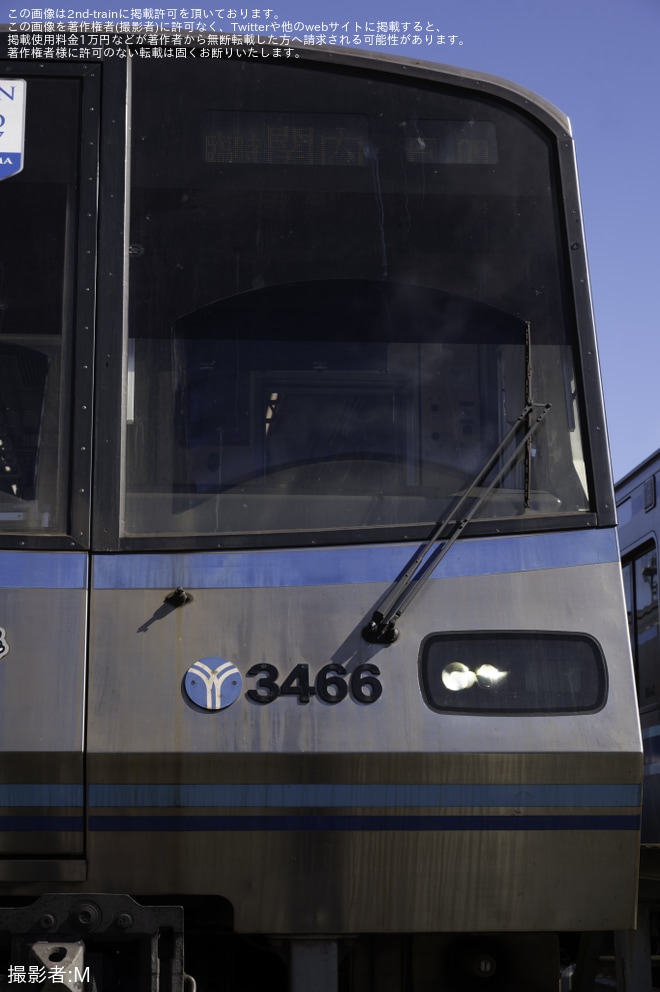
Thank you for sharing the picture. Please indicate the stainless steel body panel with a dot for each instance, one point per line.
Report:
(323, 869)
(43, 614)
(354, 817)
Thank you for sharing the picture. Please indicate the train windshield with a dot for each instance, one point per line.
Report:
(328, 302)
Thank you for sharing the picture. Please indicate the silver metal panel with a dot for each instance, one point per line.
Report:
(385, 882)
(168, 779)
(138, 705)
(325, 868)
(43, 613)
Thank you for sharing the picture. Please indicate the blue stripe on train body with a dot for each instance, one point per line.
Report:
(351, 565)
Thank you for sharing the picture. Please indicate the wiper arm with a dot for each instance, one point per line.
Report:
(382, 627)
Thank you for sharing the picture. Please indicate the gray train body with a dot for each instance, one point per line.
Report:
(311, 614)
(339, 808)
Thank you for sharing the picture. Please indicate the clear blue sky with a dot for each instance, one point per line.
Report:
(598, 61)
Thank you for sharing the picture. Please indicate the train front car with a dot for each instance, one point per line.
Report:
(356, 683)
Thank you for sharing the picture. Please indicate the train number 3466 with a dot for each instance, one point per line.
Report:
(332, 684)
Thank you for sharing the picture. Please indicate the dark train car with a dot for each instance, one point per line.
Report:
(639, 531)
(312, 627)
(639, 528)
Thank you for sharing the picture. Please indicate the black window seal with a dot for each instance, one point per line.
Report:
(78, 378)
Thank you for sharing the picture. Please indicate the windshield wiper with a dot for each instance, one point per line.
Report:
(382, 628)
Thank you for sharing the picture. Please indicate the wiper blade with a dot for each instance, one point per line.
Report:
(382, 627)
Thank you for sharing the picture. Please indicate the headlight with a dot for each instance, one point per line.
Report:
(513, 672)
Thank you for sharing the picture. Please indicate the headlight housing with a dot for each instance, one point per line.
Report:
(512, 672)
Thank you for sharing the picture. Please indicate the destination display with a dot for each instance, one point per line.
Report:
(288, 139)
(257, 138)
